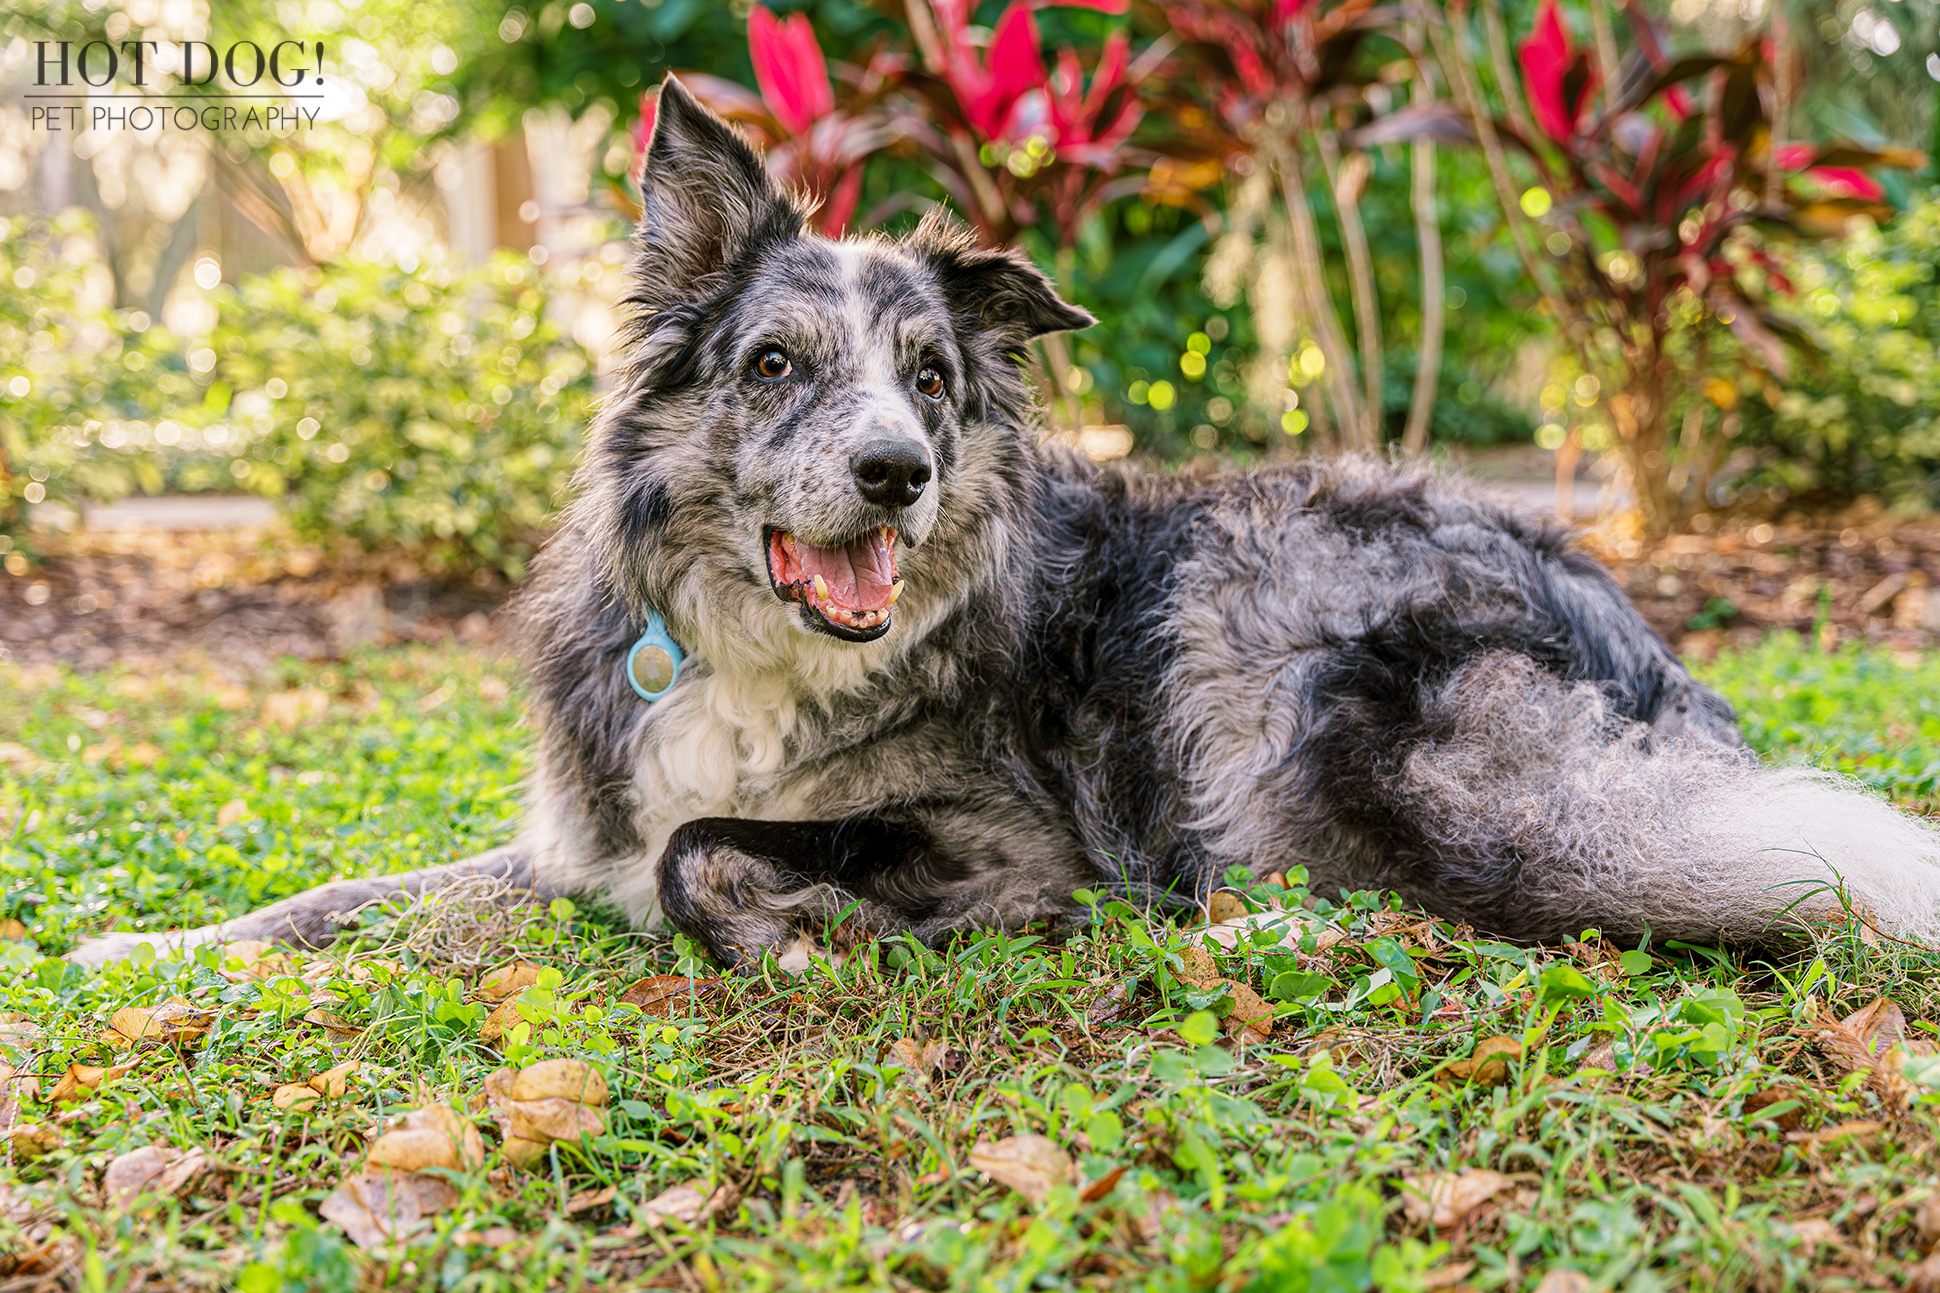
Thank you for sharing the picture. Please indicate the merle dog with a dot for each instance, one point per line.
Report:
(942, 677)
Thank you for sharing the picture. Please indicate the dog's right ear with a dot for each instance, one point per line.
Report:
(705, 197)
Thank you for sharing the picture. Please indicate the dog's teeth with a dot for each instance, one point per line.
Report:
(895, 591)
(821, 589)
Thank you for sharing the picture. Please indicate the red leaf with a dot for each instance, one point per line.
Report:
(1102, 6)
(790, 69)
(1548, 62)
(988, 90)
(1847, 182)
(1794, 157)
(1678, 100)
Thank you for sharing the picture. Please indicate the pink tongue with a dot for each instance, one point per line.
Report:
(858, 574)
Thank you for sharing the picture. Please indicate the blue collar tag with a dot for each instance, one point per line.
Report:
(653, 665)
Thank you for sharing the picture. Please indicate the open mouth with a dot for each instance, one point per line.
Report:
(845, 590)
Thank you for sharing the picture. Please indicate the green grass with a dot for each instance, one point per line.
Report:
(1624, 1136)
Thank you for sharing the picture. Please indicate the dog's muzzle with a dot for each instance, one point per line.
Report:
(845, 590)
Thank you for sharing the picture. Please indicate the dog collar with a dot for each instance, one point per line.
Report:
(653, 665)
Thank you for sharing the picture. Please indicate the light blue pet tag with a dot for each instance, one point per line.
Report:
(654, 662)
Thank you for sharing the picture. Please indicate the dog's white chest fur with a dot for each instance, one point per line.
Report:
(716, 747)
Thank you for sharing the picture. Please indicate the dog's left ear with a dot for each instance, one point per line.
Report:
(705, 197)
(999, 292)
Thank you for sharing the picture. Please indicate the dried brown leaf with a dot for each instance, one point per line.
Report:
(152, 1169)
(1250, 1018)
(1225, 905)
(1488, 1065)
(573, 1080)
(12, 931)
(1196, 966)
(918, 1059)
(433, 1136)
(1445, 1200)
(668, 996)
(1098, 1189)
(688, 1204)
(299, 1097)
(587, 1200)
(1760, 1100)
(174, 1023)
(231, 813)
(507, 980)
(1561, 1279)
(1030, 1165)
(377, 1207)
(553, 1119)
(1870, 1040)
(32, 1139)
(83, 1080)
(259, 958)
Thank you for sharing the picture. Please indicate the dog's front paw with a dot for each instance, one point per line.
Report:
(106, 948)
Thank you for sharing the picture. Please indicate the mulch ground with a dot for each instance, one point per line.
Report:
(246, 598)
(241, 598)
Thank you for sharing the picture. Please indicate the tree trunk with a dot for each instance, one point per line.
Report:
(1360, 279)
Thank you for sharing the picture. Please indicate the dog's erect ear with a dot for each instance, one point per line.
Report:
(1000, 292)
(705, 197)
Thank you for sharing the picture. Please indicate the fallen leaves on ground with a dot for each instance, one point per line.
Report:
(1488, 1065)
(332, 1083)
(435, 1135)
(392, 1196)
(1872, 1040)
(689, 1204)
(156, 1169)
(507, 980)
(667, 996)
(259, 958)
(1030, 1165)
(1561, 1279)
(1446, 1200)
(83, 1080)
(231, 813)
(174, 1023)
(1250, 1017)
(377, 1207)
(918, 1059)
(289, 710)
(553, 1100)
(1758, 1101)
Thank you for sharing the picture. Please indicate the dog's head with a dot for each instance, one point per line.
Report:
(805, 428)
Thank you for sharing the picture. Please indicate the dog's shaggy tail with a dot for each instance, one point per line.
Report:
(1523, 802)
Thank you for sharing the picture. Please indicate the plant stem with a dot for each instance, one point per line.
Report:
(1608, 66)
(1434, 292)
(1360, 281)
(1505, 74)
(1312, 283)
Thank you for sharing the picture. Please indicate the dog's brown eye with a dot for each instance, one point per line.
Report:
(930, 382)
(773, 365)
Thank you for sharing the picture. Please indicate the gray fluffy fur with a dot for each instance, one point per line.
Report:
(1095, 677)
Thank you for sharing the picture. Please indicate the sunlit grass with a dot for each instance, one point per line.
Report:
(1625, 1143)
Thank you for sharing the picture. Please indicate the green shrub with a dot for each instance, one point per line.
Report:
(85, 392)
(1866, 420)
(433, 410)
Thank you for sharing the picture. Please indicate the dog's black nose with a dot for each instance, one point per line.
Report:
(891, 473)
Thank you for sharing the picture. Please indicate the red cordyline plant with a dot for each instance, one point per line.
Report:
(1657, 190)
(819, 129)
(1285, 87)
(1012, 140)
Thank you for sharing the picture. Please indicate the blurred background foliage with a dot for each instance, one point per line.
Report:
(164, 290)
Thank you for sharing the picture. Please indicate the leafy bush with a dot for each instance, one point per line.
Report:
(436, 410)
(79, 383)
(1865, 420)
